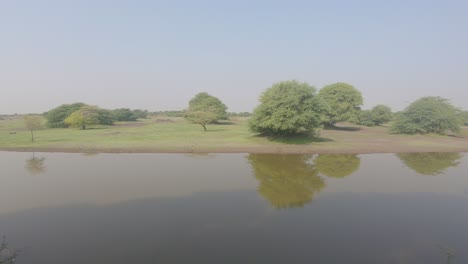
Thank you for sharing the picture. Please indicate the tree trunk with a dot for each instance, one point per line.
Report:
(83, 127)
(32, 136)
(204, 127)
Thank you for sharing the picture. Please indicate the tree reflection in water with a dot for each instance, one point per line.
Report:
(337, 165)
(286, 181)
(35, 166)
(430, 163)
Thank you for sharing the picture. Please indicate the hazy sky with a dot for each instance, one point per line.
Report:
(156, 55)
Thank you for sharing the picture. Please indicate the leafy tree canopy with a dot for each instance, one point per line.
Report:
(377, 116)
(428, 115)
(287, 108)
(286, 181)
(343, 103)
(430, 163)
(337, 165)
(84, 117)
(56, 117)
(465, 118)
(123, 114)
(203, 102)
(32, 122)
(202, 118)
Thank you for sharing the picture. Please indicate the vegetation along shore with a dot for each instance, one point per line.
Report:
(292, 117)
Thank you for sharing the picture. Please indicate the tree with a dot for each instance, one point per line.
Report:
(377, 116)
(205, 102)
(105, 117)
(428, 115)
(143, 114)
(202, 118)
(86, 116)
(430, 163)
(382, 114)
(343, 103)
(337, 165)
(32, 122)
(287, 108)
(465, 118)
(123, 114)
(366, 118)
(286, 181)
(56, 117)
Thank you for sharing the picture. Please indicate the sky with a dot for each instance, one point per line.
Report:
(157, 55)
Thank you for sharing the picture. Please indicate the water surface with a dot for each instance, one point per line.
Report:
(235, 208)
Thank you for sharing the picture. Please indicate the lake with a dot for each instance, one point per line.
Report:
(235, 208)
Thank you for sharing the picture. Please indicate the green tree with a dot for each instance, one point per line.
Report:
(382, 114)
(286, 181)
(203, 102)
(287, 108)
(343, 103)
(84, 117)
(428, 115)
(465, 118)
(32, 122)
(430, 163)
(123, 114)
(366, 118)
(377, 116)
(202, 118)
(143, 114)
(56, 117)
(337, 165)
(105, 117)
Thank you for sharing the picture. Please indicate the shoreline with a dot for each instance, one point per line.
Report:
(233, 151)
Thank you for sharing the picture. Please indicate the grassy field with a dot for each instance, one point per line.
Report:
(152, 135)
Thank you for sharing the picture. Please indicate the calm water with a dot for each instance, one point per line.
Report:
(235, 208)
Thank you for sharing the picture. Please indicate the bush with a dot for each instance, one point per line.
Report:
(56, 117)
(287, 108)
(343, 103)
(428, 115)
(123, 114)
(379, 115)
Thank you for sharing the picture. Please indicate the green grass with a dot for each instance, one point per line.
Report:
(180, 136)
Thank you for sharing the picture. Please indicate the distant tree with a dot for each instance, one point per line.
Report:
(105, 117)
(366, 118)
(123, 114)
(32, 122)
(428, 115)
(343, 103)
(430, 163)
(56, 117)
(286, 181)
(287, 108)
(203, 102)
(202, 118)
(382, 114)
(337, 165)
(377, 116)
(143, 114)
(465, 118)
(84, 117)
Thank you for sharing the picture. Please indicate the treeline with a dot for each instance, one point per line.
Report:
(82, 115)
(293, 108)
(286, 108)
